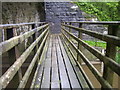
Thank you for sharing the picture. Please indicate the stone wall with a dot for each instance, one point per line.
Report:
(19, 12)
(56, 12)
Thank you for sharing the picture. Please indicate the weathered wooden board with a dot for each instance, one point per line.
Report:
(55, 82)
(47, 69)
(96, 73)
(62, 70)
(80, 77)
(108, 61)
(36, 82)
(72, 76)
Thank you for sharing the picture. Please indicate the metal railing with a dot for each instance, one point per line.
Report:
(39, 34)
(110, 65)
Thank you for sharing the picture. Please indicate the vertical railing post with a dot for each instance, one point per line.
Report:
(18, 53)
(34, 37)
(1, 36)
(108, 74)
(41, 31)
(13, 54)
(70, 30)
(79, 46)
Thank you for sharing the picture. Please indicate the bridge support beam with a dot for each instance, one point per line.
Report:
(108, 74)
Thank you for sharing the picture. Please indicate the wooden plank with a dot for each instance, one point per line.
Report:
(99, 77)
(72, 76)
(76, 68)
(62, 70)
(55, 82)
(84, 80)
(47, 69)
(108, 61)
(39, 75)
(108, 38)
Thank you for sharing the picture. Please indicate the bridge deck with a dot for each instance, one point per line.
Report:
(57, 70)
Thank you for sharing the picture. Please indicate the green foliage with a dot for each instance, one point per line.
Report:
(97, 44)
(103, 45)
(104, 11)
(118, 57)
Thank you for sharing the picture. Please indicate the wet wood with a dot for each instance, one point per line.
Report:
(55, 82)
(17, 54)
(62, 70)
(99, 77)
(47, 69)
(108, 38)
(70, 30)
(108, 61)
(32, 64)
(71, 74)
(12, 54)
(57, 71)
(79, 45)
(97, 22)
(8, 44)
(9, 74)
(82, 77)
(37, 80)
(108, 74)
(7, 26)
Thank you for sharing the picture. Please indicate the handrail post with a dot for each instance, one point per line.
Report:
(18, 53)
(35, 36)
(13, 54)
(70, 30)
(108, 74)
(79, 46)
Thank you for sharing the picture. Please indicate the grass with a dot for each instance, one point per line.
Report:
(97, 44)
(103, 45)
(118, 58)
